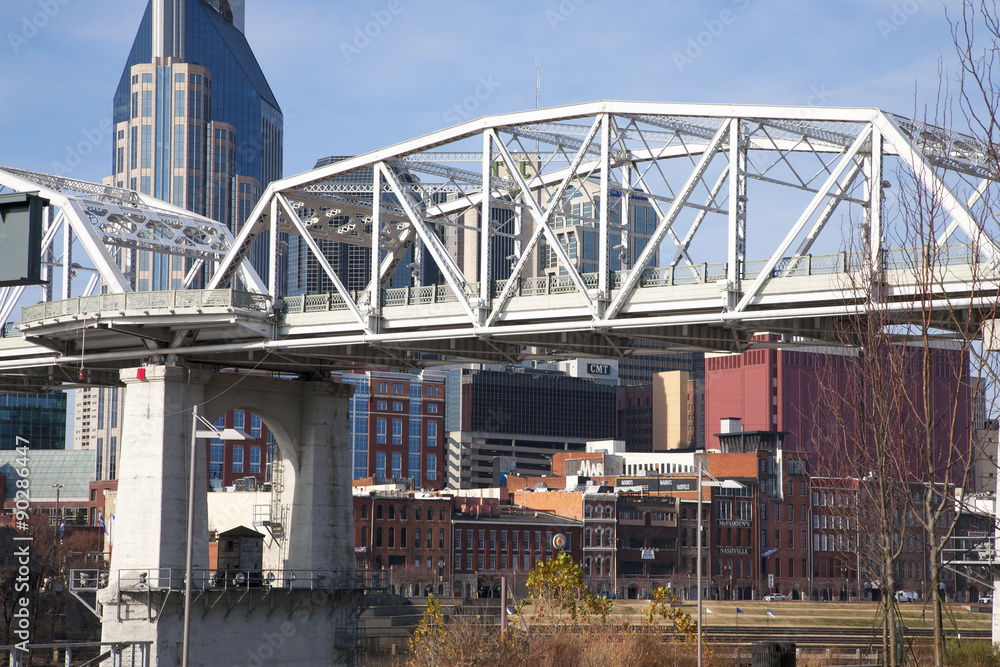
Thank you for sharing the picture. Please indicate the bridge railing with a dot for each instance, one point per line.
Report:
(131, 653)
(897, 259)
(662, 276)
(159, 300)
(158, 579)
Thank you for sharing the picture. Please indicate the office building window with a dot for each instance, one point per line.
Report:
(216, 464)
(380, 464)
(432, 433)
(397, 431)
(380, 430)
(113, 457)
(237, 458)
(255, 459)
(397, 464)
(100, 458)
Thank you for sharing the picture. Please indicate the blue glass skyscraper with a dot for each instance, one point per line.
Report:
(196, 123)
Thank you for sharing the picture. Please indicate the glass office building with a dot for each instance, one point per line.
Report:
(196, 124)
(38, 419)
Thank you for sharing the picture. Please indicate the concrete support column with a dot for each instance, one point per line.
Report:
(151, 519)
(321, 525)
(311, 625)
(310, 421)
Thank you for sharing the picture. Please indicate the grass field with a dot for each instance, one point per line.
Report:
(815, 614)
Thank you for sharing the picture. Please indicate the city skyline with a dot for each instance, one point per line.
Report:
(437, 376)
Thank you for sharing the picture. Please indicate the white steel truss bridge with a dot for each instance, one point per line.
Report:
(572, 231)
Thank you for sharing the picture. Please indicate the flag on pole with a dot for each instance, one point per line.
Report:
(771, 614)
(708, 611)
(100, 520)
(62, 529)
(739, 611)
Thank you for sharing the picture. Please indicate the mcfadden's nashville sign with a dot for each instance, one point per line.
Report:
(734, 551)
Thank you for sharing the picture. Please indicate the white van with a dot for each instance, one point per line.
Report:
(907, 596)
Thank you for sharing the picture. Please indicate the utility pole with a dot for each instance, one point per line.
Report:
(59, 523)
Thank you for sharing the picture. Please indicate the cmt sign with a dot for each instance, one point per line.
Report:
(599, 369)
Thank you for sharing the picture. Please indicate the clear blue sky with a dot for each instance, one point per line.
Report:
(343, 92)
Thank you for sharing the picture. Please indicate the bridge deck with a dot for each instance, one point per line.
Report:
(680, 309)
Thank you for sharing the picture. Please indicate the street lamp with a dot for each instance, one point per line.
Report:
(212, 432)
(58, 488)
(726, 484)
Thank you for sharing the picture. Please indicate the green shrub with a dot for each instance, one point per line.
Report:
(971, 654)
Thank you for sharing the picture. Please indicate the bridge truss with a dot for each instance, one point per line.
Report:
(579, 229)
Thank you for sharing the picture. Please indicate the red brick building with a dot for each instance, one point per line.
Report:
(493, 540)
(408, 535)
(780, 390)
(397, 426)
(232, 460)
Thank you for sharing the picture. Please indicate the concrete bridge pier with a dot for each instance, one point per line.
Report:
(305, 619)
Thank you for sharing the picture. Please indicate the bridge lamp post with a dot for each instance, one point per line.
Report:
(211, 432)
(725, 484)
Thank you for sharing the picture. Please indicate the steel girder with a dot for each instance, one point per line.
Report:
(542, 250)
(618, 152)
(106, 220)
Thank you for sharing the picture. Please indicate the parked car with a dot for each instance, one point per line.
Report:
(775, 597)
(907, 596)
(986, 599)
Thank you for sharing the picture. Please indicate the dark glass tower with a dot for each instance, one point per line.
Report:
(197, 125)
(40, 419)
(196, 122)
